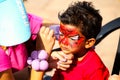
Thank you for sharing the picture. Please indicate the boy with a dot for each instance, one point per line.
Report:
(79, 26)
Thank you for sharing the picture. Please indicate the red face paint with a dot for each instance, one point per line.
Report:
(69, 36)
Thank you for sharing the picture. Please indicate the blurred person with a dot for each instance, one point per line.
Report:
(14, 58)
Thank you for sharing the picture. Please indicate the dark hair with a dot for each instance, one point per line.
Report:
(84, 16)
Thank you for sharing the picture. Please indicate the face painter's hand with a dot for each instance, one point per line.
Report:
(45, 39)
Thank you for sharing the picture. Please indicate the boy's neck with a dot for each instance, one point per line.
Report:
(79, 56)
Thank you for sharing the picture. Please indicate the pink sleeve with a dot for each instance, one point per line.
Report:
(18, 56)
(4, 61)
(35, 24)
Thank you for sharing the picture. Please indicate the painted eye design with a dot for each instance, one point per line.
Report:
(75, 37)
(60, 33)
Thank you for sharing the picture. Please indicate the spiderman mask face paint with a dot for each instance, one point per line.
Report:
(70, 36)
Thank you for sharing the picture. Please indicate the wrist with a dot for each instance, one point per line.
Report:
(38, 60)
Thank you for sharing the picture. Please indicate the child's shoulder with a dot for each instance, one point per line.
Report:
(35, 24)
(32, 16)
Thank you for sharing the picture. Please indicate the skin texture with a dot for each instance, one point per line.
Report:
(114, 77)
(6, 75)
(67, 44)
(73, 34)
(73, 41)
(46, 40)
(60, 60)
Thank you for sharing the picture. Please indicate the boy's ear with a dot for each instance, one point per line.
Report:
(90, 43)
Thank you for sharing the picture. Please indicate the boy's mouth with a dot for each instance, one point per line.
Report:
(64, 48)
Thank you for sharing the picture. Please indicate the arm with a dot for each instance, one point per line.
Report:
(36, 75)
(6, 75)
(5, 66)
(114, 77)
(45, 40)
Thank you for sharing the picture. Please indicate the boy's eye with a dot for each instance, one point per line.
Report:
(75, 37)
(60, 33)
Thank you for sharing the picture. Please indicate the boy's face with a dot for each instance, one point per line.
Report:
(71, 39)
